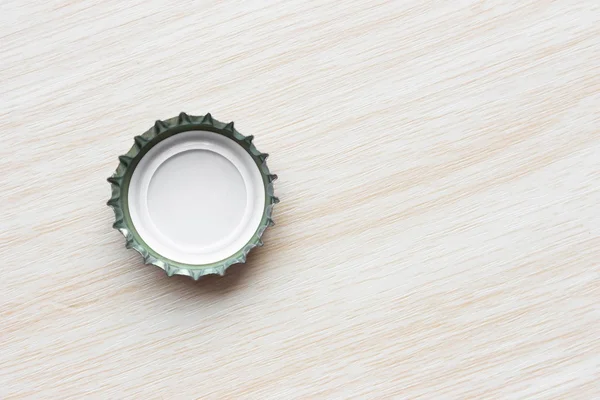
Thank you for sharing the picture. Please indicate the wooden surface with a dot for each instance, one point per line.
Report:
(438, 234)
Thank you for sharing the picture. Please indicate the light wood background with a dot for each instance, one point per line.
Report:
(438, 234)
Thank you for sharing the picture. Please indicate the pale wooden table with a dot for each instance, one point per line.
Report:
(439, 230)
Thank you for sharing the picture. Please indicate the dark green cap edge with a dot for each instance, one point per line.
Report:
(120, 180)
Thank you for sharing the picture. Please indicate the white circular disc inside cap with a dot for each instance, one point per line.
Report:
(196, 197)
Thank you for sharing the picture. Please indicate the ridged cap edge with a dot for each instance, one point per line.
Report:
(119, 182)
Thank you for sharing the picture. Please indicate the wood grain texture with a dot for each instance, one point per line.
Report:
(438, 234)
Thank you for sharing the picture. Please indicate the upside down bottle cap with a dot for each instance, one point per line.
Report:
(193, 196)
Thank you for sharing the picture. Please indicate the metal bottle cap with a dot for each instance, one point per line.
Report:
(193, 196)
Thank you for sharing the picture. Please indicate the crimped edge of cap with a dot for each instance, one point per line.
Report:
(121, 178)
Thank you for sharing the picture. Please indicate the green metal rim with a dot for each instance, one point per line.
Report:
(120, 180)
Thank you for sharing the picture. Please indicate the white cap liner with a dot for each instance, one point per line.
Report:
(196, 197)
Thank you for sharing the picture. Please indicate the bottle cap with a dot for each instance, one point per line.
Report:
(193, 196)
